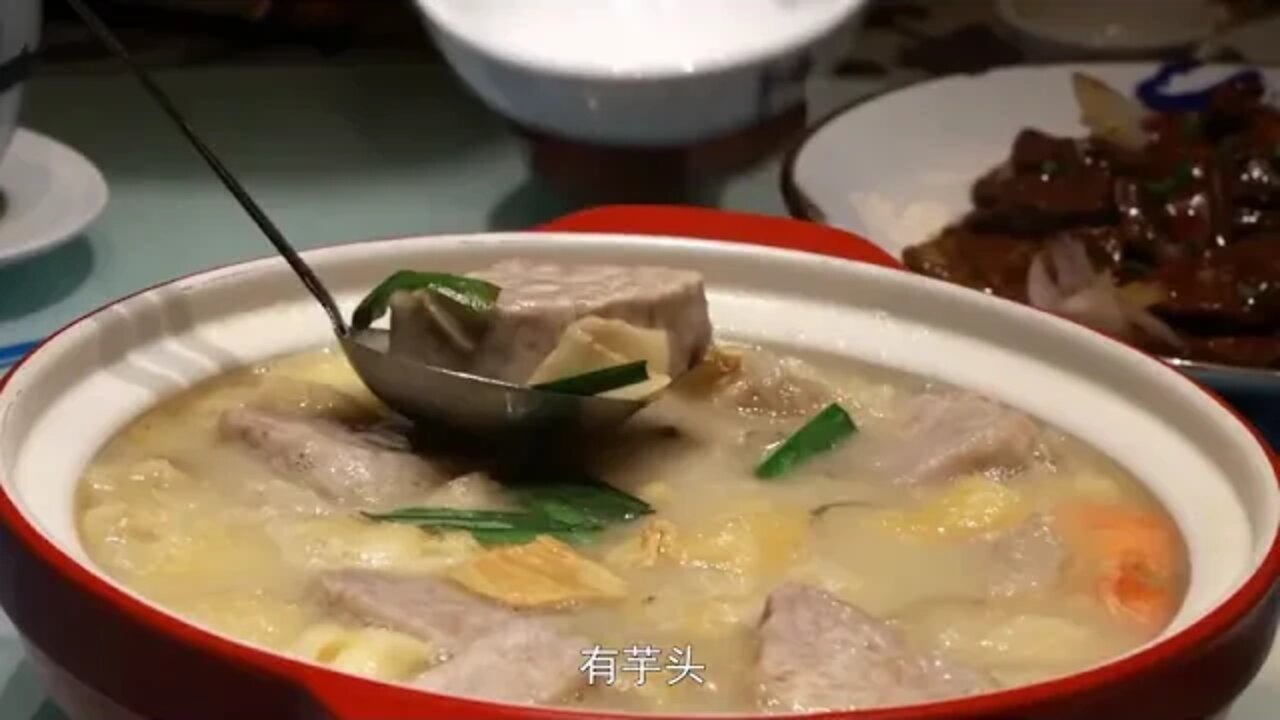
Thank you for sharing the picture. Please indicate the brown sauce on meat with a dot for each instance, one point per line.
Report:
(1196, 210)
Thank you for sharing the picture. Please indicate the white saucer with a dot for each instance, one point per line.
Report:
(51, 193)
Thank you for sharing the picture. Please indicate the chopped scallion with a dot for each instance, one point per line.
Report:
(590, 501)
(471, 293)
(454, 518)
(573, 511)
(823, 432)
(599, 381)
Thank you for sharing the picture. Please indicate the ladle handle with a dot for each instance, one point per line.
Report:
(300, 266)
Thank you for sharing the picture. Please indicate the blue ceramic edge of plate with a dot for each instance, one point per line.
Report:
(1151, 92)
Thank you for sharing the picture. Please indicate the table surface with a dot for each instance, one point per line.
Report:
(334, 152)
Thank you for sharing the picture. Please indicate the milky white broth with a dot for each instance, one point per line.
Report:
(199, 527)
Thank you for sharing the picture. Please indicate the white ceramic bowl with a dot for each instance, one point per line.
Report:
(19, 35)
(104, 649)
(638, 72)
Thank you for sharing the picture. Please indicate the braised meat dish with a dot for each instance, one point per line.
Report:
(1162, 227)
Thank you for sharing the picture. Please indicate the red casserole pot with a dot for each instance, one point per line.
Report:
(106, 653)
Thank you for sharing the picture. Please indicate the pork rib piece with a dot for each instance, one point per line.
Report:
(946, 434)
(431, 609)
(537, 302)
(523, 661)
(818, 653)
(492, 652)
(339, 464)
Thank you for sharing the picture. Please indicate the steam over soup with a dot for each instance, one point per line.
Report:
(773, 533)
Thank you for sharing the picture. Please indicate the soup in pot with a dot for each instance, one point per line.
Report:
(774, 532)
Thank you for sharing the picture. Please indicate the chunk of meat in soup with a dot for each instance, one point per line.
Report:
(339, 464)
(473, 636)
(818, 653)
(945, 434)
(538, 664)
(431, 609)
(537, 302)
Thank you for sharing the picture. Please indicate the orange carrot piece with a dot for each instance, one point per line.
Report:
(1138, 554)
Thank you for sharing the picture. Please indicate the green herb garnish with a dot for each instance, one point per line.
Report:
(491, 527)
(471, 293)
(583, 502)
(823, 432)
(454, 518)
(572, 511)
(1182, 177)
(598, 381)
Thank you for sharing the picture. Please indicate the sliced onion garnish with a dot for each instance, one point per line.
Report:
(1097, 306)
(1041, 289)
(1152, 325)
(1072, 265)
(1089, 297)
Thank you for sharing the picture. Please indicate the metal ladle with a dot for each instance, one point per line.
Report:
(423, 393)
